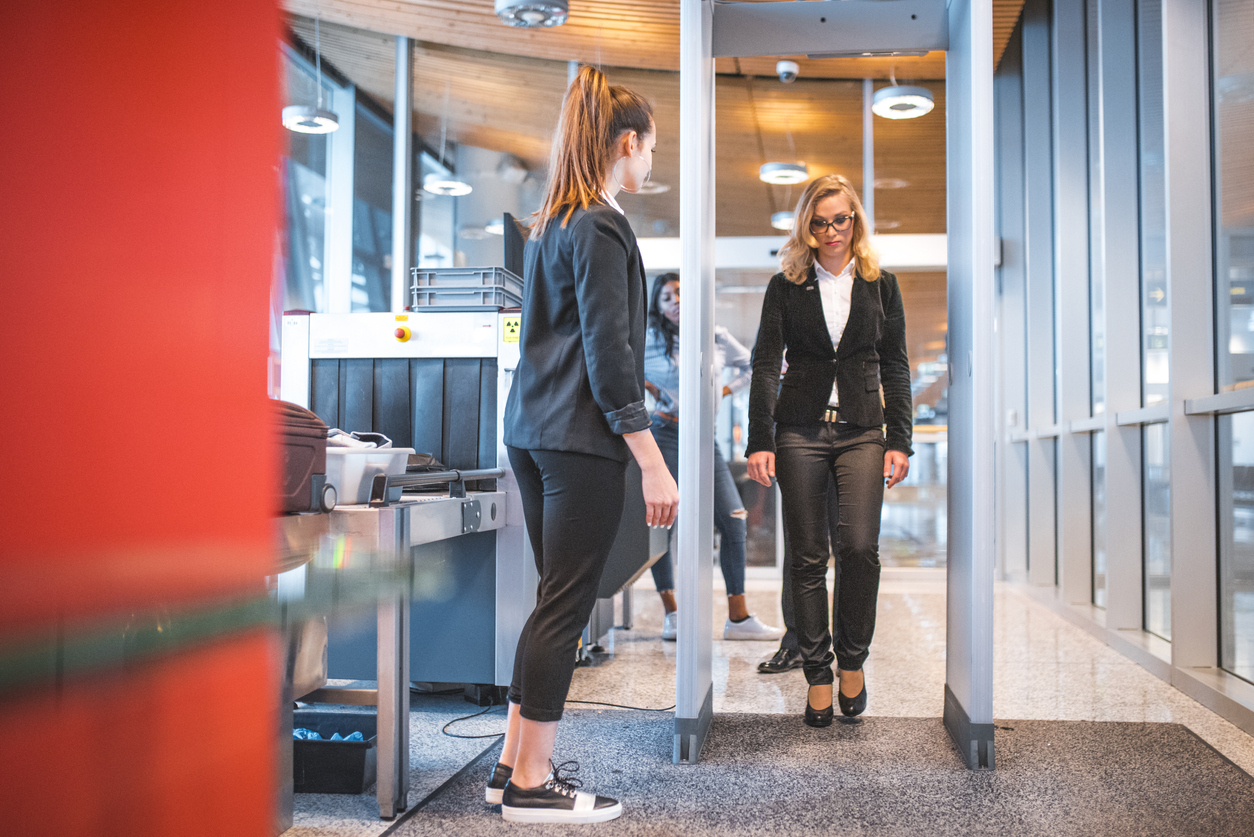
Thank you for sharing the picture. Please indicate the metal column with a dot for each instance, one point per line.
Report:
(402, 170)
(694, 541)
(972, 344)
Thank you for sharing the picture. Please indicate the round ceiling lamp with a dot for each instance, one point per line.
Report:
(900, 102)
(445, 186)
(307, 119)
(783, 220)
(783, 174)
(495, 227)
(312, 119)
(652, 188)
(532, 14)
(891, 183)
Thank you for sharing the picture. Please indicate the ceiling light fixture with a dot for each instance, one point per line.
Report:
(438, 184)
(783, 221)
(783, 174)
(532, 14)
(495, 227)
(900, 102)
(891, 183)
(652, 188)
(307, 119)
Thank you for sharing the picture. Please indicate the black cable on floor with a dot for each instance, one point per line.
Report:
(467, 718)
(585, 702)
(621, 706)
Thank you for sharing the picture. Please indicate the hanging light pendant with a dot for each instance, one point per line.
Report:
(783, 220)
(783, 174)
(311, 119)
(900, 102)
(437, 184)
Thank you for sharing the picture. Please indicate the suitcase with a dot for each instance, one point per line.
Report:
(303, 441)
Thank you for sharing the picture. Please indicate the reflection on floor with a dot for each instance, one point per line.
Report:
(1045, 668)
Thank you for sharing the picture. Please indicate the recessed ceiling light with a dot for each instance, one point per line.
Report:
(532, 14)
(891, 183)
(783, 220)
(899, 102)
(783, 174)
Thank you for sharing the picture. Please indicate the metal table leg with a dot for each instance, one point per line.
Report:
(393, 720)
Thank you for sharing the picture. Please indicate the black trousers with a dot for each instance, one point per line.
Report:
(572, 504)
(806, 458)
(789, 640)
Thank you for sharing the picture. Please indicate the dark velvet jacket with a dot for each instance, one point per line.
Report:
(580, 379)
(872, 351)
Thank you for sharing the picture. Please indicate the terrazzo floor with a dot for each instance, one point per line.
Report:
(1045, 669)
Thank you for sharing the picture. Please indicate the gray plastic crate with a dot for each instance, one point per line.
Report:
(464, 288)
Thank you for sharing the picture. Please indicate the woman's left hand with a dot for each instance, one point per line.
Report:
(896, 466)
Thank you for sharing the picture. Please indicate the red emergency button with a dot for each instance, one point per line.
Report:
(403, 334)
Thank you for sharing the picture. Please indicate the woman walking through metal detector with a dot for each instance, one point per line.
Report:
(575, 413)
(840, 318)
(661, 372)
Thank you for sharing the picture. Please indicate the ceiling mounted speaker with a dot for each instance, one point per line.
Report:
(898, 102)
(532, 14)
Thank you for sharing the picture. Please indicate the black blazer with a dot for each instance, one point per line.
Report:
(580, 380)
(872, 351)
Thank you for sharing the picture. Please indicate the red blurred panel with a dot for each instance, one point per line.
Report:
(139, 208)
(184, 746)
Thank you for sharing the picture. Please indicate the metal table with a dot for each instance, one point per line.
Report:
(386, 534)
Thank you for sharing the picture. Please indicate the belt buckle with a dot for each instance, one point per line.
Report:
(831, 416)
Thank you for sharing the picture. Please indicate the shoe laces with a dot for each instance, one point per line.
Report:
(563, 781)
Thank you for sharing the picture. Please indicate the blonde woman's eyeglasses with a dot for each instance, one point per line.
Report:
(840, 223)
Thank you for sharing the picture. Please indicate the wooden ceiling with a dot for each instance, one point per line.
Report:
(617, 33)
(511, 103)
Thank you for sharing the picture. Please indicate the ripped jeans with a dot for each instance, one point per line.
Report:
(730, 517)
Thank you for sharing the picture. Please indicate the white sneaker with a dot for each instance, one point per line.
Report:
(670, 626)
(751, 628)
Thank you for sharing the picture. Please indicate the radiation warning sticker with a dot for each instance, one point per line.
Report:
(513, 325)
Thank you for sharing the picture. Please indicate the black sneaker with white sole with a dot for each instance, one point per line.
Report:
(557, 800)
(496, 784)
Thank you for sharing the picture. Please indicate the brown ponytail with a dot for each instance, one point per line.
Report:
(594, 116)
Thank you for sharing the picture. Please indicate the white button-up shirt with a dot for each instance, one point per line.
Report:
(835, 292)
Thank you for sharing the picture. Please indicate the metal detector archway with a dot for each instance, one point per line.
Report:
(831, 28)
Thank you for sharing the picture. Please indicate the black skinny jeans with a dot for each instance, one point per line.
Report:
(572, 504)
(806, 458)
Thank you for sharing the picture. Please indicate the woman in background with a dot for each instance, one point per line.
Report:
(575, 413)
(661, 372)
(841, 321)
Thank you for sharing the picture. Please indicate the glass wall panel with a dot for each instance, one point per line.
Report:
(1099, 518)
(304, 178)
(1097, 276)
(1156, 514)
(1154, 369)
(372, 212)
(438, 218)
(1236, 543)
(1233, 87)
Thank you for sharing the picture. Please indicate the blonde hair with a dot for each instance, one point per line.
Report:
(797, 255)
(594, 116)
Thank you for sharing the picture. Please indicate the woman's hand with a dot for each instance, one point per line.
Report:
(896, 466)
(762, 467)
(661, 494)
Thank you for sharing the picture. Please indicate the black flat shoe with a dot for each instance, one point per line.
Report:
(784, 660)
(851, 706)
(818, 717)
